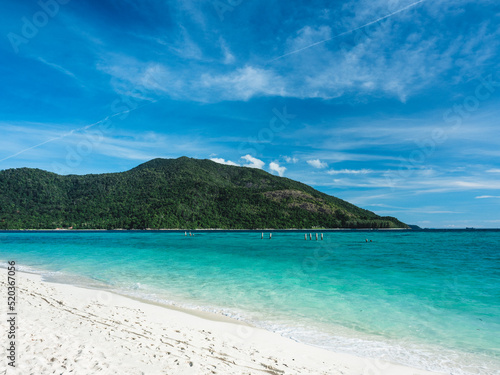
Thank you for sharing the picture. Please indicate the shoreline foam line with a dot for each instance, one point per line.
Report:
(65, 327)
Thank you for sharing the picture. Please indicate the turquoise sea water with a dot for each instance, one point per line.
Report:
(426, 299)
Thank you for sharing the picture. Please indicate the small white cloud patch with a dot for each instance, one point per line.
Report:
(225, 162)
(289, 159)
(276, 168)
(316, 163)
(254, 162)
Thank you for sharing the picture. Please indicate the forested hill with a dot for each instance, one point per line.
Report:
(173, 193)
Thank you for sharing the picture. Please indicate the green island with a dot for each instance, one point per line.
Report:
(181, 193)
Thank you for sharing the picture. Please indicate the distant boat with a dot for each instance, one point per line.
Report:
(467, 228)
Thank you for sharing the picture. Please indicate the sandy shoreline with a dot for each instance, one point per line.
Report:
(64, 329)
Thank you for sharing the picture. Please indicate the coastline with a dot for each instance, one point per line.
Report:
(212, 230)
(64, 327)
(266, 230)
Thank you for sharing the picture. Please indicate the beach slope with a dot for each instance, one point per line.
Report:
(64, 329)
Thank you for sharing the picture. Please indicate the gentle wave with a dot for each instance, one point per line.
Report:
(426, 300)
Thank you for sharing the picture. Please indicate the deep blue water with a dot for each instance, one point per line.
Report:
(429, 299)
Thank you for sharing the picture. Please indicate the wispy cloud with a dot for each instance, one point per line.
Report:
(57, 67)
(397, 58)
(244, 83)
(419, 211)
(350, 171)
(228, 57)
(316, 163)
(198, 85)
(349, 31)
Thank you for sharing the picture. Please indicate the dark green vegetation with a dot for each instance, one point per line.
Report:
(414, 227)
(173, 193)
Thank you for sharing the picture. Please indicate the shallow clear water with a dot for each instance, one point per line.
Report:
(426, 299)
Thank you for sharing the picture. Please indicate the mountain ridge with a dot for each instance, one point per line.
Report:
(183, 193)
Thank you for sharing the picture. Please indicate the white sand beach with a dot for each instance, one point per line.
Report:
(63, 329)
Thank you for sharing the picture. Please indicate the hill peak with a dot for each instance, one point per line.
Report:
(174, 193)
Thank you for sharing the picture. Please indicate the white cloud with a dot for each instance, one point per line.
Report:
(381, 58)
(142, 79)
(158, 79)
(289, 159)
(254, 162)
(276, 168)
(243, 83)
(419, 211)
(488, 197)
(494, 170)
(225, 162)
(398, 56)
(316, 163)
(228, 56)
(350, 171)
(57, 67)
(185, 47)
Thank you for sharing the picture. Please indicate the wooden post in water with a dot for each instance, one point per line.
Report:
(316, 236)
(321, 236)
(305, 236)
(262, 236)
(310, 236)
(270, 235)
(185, 233)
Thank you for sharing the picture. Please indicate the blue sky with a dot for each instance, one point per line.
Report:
(392, 105)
